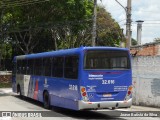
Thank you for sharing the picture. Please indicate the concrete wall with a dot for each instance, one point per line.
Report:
(146, 80)
(5, 76)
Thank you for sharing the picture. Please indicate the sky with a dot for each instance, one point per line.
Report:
(146, 10)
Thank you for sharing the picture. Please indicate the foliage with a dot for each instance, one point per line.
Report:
(55, 25)
(157, 40)
(108, 32)
(6, 50)
(134, 42)
(6, 85)
(62, 20)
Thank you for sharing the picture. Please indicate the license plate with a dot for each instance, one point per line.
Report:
(107, 95)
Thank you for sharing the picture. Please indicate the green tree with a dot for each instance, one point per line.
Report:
(134, 42)
(60, 19)
(156, 40)
(57, 25)
(109, 32)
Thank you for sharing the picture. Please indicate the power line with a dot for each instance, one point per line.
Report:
(146, 11)
(151, 20)
(152, 26)
(121, 20)
(102, 3)
(146, 23)
(20, 3)
(151, 23)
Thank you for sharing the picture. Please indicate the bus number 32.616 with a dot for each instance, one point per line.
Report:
(108, 81)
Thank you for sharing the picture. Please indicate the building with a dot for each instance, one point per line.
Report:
(149, 49)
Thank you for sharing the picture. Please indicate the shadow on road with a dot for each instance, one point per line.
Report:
(85, 114)
(32, 101)
(61, 112)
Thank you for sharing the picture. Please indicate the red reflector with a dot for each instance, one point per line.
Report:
(83, 89)
(129, 92)
(84, 94)
(130, 88)
(89, 103)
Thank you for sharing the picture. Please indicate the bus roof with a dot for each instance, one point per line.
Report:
(66, 52)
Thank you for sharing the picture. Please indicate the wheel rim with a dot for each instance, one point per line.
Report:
(46, 100)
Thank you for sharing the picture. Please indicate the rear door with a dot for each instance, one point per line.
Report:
(106, 75)
(14, 76)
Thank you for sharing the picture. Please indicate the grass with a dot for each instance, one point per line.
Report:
(6, 85)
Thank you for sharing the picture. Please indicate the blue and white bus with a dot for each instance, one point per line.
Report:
(78, 78)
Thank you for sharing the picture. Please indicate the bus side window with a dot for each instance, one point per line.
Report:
(71, 67)
(23, 66)
(19, 67)
(57, 67)
(47, 64)
(30, 68)
(38, 66)
(14, 69)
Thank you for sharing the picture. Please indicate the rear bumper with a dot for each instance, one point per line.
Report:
(104, 104)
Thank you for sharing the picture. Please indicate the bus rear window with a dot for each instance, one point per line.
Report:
(112, 59)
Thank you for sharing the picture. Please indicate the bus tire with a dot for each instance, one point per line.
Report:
(19, 91)
(113, 108)
(46, 100)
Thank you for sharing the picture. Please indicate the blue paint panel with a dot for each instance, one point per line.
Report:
(114, 82)
(66, 92)
(60, 93)
(58, 88)
(64, 103)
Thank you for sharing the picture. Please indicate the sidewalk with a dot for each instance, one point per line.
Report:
(139, 108)
(5, 90)
(143, 108)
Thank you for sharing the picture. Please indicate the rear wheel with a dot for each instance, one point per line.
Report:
(46, 100)
(113, 108)
(19, 91)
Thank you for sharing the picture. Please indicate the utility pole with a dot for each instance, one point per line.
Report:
(94, 33)
(128, 22)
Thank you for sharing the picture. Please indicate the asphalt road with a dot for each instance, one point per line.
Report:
(12, 102)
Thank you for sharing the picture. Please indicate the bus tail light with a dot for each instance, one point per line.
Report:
(130, 88)
(83, 89)
(129, 93)
(84, 94)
